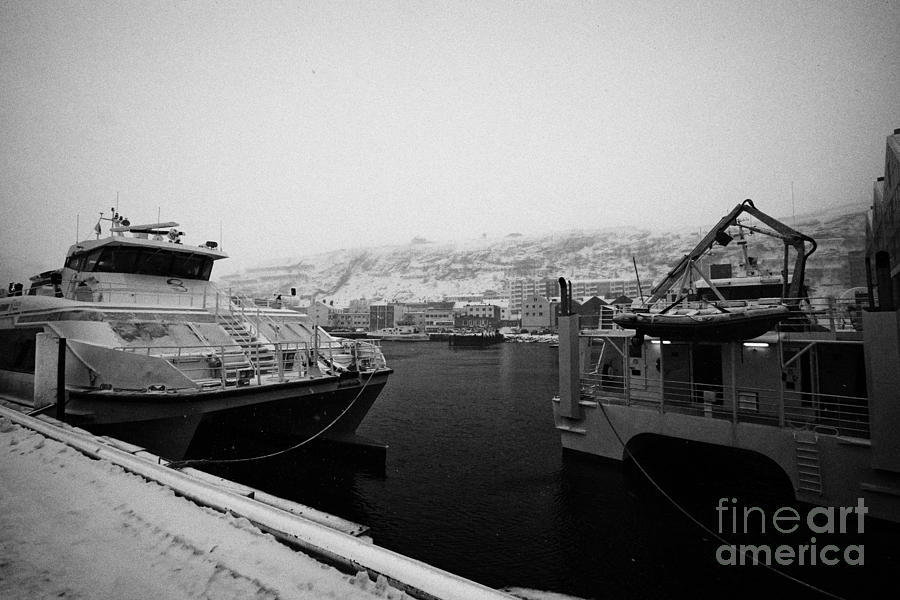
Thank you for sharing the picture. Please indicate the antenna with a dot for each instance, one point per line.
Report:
(793, 210)
(221, 241)
(77, 233)
(637, 277)
(117, 201)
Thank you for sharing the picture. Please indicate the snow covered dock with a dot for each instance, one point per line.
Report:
(85, 517)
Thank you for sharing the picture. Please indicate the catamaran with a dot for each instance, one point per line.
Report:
(132, 340)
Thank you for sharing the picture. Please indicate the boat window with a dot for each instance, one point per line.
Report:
(154, 262)
(117, 260)
(91, 259)
(192, 266)
(76, 261)
(148, 261)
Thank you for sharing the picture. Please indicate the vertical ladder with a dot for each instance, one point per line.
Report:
(809, 474)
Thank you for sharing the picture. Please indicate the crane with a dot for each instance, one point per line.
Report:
(791, 291)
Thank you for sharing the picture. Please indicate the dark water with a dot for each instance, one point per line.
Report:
(475, 483)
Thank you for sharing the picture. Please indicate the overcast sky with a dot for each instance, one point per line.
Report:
(308, 126)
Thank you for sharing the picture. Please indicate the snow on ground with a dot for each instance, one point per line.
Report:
(529, 594)
(74, 527)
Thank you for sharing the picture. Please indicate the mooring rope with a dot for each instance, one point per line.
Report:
(180, 464)
(700, 524)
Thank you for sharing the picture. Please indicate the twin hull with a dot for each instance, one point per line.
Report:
(199, 401)
(233, 422)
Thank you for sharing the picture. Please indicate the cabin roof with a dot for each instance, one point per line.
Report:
(88, 245)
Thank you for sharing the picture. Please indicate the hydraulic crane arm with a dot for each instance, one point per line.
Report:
(719, 234)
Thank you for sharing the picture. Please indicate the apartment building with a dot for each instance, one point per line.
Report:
(539, 313)
(348, 320)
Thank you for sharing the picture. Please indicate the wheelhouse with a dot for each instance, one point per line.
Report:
(170, 261)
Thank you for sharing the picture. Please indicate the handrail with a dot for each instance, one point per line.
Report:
(847, 415)
(341, 356)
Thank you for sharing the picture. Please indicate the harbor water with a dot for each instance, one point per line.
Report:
(475, 482)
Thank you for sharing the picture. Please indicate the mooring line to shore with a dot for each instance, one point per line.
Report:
(699, 523)
(180, 464)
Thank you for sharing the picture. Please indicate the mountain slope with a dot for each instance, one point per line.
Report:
(422, 270)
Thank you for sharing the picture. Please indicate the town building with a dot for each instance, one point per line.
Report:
(381, 315)
(319, 312)
(351, 321)
(483, 322)
(539, 313)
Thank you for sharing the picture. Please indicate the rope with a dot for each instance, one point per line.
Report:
(699, 523)
(180, 464)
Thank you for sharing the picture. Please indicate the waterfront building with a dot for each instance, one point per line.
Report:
(481, 310)
(464, 298)
(381, 316)
(319, 312)
(464, 321)
(539, 313)
(503, 305)
(520, 289)
(348, 320)
(438, 316)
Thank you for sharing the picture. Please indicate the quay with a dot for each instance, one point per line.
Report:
(127, 524)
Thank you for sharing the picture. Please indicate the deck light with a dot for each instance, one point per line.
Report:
(756, 345)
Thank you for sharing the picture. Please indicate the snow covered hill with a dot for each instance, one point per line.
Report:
(421, 270)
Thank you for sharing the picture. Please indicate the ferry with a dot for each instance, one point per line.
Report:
(402, 333)
(476, 338)
(814, 396)
(130, 338)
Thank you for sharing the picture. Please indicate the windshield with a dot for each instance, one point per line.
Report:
(143, 261)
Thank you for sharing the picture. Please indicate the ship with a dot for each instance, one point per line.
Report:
(131, 339)
(813, 396)
(475, 338)
(401, 333)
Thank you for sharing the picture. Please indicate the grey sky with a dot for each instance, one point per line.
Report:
(309, 126)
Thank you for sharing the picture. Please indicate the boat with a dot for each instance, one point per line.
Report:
(153, 353)
(725, 308)
(812, 400)
(715, 323)
(403, 333)
(347, 334)
(476, 339)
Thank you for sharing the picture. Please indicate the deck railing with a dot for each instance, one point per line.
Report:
(825, 413)
(258, 362)
(175, 296)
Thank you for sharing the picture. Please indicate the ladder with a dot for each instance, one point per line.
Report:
(259, 355)
(809, 476)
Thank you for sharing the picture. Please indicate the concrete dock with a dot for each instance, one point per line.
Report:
(88, 516)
